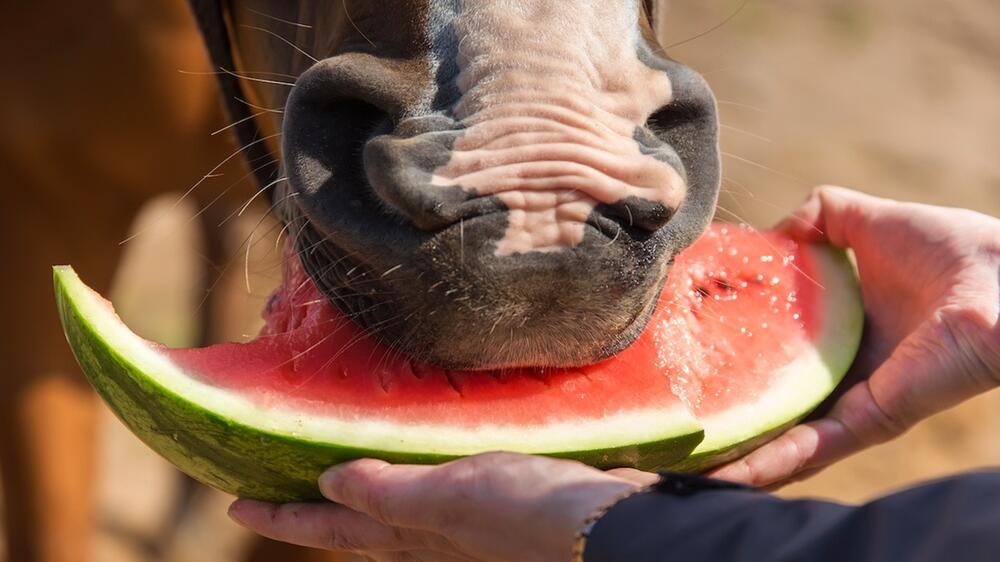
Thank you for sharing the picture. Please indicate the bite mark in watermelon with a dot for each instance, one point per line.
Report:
(752, 331)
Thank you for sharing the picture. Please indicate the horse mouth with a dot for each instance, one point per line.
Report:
(443, 325)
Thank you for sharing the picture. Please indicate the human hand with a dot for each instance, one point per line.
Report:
(930, 280)
(496, 506)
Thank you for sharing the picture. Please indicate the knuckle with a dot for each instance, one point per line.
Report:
(974, 335)
(755, 473)
(493, 459)
(376, 504)
(884, 423)
(802, 446)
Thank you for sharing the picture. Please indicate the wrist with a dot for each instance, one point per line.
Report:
(612, 528)
(583, 533)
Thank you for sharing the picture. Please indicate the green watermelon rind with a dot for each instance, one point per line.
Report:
(248, 459)
(811, 378)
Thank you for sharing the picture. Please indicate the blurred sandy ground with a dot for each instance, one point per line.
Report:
(898, 98)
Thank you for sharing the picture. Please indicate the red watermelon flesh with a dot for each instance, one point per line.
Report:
(738, 305)
(311, 357)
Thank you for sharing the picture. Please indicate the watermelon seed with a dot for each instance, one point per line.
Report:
(722, 283)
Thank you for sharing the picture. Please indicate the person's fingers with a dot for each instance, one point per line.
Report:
(800, 448)
(830, 214)
(329, 526)
(398, 495)
(637, 476)
(870, 412)
(929, 371)
(797, 477)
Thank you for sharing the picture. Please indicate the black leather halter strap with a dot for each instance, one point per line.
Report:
(650, 7)
(212, 22)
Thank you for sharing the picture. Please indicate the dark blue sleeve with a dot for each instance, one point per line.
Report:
(953, 520)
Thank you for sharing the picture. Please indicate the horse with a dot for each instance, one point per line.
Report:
(481, 184)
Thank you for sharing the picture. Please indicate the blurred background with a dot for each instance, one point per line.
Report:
(107, 116)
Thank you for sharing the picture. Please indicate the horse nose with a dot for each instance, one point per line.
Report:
(335, 108)
(435, 171)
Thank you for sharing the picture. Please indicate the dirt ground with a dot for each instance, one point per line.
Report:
(895, 98)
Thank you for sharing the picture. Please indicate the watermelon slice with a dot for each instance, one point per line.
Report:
(752, 331)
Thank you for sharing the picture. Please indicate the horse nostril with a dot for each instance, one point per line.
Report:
(399, 172)
(679, 114)
(642, 214)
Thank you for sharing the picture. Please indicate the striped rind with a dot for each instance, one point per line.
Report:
(228, 442)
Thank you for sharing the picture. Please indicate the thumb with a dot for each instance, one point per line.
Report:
(831, 214)
(855, 422)
(872, 411)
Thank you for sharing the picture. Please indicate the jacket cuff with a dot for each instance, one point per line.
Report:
(618, 523)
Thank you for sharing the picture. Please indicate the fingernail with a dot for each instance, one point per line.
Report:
(328, 477)
(235, 511)
(328, 480)
(337, 470)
